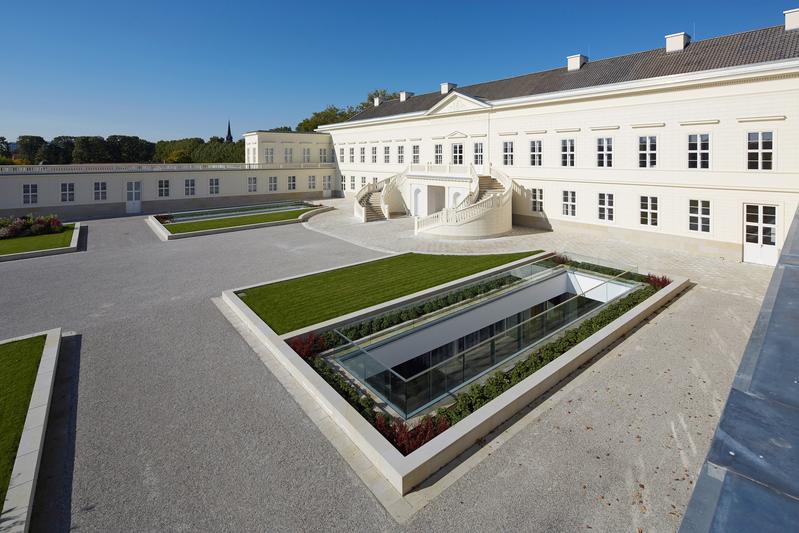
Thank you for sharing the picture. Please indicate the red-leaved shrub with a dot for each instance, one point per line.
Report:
(656, 281)
(308, 346)
(407, 439)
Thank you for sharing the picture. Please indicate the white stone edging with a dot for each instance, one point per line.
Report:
(73, 247)
(164, 234)
(406, 472)
(18, 502)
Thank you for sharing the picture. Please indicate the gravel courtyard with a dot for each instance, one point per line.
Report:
(164, 419)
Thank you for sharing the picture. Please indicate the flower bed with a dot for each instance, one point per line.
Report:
(12, 227)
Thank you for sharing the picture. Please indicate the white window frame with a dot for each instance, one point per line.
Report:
(695, 149)
(323, 155)
(327, 183)
(606, 209)
(311, 183)
(292, 183)
(647, 154)
(759, 150)
(567, 152)
(362, 154)
(100, 191)
(306, 155)
(352, 183)
(648, 210)
(30, 193)
(387, 154)
(415, 154)
(604, 152)
(478, 153)
(699, 215)
(271, 184)
(269, 155)
(213, 186)
(569, 203)
(341, 154)
(189, 187)
(401, 155)
(438, 154)
(536, 153)
(252, 184)
(68, 192)
(288, 155)
(457, 153)
(507, 153)
(163, 188)
(374, 154)
(537, 200)
(352, 154)
(363, 181)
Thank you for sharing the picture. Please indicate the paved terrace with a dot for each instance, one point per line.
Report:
(164, 418)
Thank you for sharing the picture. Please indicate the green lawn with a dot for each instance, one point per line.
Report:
(229, 222)
(19, 362)
(37, 242)
(293, 304)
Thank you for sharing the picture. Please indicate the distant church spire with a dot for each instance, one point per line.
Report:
(229, 137)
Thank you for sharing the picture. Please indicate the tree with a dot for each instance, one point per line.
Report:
(5, 151)
(65, 145)
(49, 154)
(329, 115)
(370, 98)
(216, 139)
(281, 129)
(178, 156)
(129, 149)
(90, 150)
(28, 146)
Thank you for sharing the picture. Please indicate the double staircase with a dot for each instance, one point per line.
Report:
(489, 185)
(371, 206)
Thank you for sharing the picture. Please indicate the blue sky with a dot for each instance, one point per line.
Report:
(170, 69)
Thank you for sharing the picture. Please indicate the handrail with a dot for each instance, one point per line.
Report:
(392, 184)
(154, 167)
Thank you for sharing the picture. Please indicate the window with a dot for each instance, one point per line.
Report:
(326, 183)
(352, 183)
(292, 183)
(401, 155)
(649, 210)
(213, 186)
(288, 155)
(323, 155)
(570, 203)
(535, 153)
(311, 182)
(269, 155)
(507, 153)
(374, 154)
(306, 155)
(252, 184)
(67, 192)
(699, 151)
(604, 152)
(374, 180)
(538, 200)
(188, 187)
(567, 152)
(438, 154)
(363, 181)
(343, 183)
(352, 155)
(272, 184)
(605, 204)
(386, 154)
(647, 152)
(457, 154)
(415, 154)
(341, 155)
(699, 215)
(760, 150)
(163, 188)
(100, 190)
(478, 153)
(362, 151)
(30, 193)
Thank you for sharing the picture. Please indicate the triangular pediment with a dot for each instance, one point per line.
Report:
(456, 102)
(456, 135)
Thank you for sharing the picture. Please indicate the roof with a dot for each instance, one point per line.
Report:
(755, 46)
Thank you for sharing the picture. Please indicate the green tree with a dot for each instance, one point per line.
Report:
(179, 156)
(5, 151)
(281, 129)
(129, 149)
(49, 154)
(370, 98)
(329, 115)
(90, 150)
(28, 146)
(163, 149)
(65, 145)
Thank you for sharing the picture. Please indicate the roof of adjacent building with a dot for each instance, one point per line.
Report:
(746, 48)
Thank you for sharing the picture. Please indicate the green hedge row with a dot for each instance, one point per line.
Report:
(480, 394)
(362, 403)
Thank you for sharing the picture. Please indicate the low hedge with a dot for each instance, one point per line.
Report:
(11, 227)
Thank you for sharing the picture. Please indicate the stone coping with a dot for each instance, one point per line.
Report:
(406, 472)
(73, 247)
(164, 234)
(18, 503)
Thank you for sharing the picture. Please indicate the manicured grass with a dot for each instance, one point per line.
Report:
(37, 242)
(296, 303)
(229, 222)
(19, 362)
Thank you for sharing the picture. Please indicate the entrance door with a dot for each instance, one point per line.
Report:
(760, 234)
(133, 197)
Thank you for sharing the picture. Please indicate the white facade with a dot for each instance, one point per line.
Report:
(578, 157)
(279, 148)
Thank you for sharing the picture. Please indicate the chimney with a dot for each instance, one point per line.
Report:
(377, 101)
(791, 19)
(446, 87)
(404, 95)
(677, 41)
(576, 62)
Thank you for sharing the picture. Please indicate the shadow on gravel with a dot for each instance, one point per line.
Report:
(83, 238)
(53, 501)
